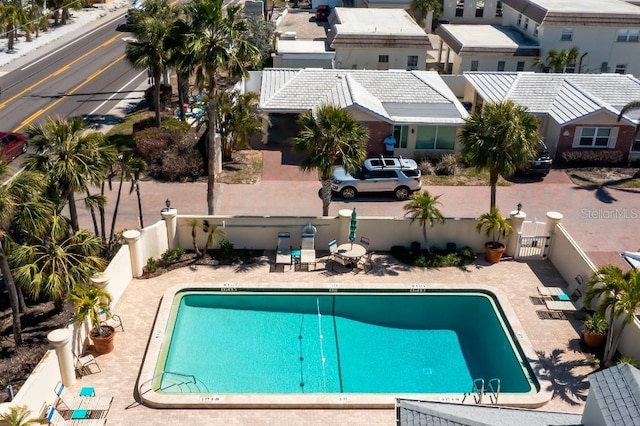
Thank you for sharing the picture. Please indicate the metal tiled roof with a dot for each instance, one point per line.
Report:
(415, 413)
(398, 96)
(565, 97)
(617, 393)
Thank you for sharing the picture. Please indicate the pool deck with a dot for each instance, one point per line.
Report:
(559, 340)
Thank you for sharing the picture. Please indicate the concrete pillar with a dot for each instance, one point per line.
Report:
(132, 237)
(344, 216)
(553, 218)
(60, 339)
(440, 51)
(169, 215)
(517, 219)
(218, 151)
(446, 61)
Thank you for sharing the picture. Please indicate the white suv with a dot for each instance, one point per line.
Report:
(383, 174)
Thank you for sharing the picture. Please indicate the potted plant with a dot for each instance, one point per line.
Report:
(496, 227)
(595, 330)
(90, 303)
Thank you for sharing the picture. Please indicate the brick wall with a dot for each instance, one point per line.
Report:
(378, 130)
(623, 142)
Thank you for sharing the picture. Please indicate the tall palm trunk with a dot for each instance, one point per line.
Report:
(157, 74)
(115, 210)
(93, 216)
(13, 297)
(493, 182)
(103, 225)
(139, 205)
(181, 95)
(73, 212)
(325, 193)
(212, 148)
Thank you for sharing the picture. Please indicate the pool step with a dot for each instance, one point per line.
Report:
(177, 384)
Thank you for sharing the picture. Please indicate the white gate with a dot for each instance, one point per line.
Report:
(532, 241)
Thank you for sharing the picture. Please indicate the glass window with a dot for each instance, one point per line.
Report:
(520, 66)
(500, 65)
(459, 7)
(479, 8)
(436, 137)
(621, 68)
(526, 23)
(567, 34)
(636, 145)
(498, 9)
(383, 59)
(604, 67)
(628, 36)
(594, 137)
(400, 134)
(474, 65)
(412, 62)
(536, 29)
(519, 19)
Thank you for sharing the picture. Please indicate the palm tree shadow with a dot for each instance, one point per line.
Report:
(565, 384)
(603, 195)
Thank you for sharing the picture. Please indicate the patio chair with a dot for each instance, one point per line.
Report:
(365, 242)
(366, 261)
(565, 305)
(336, 257)
(283, 250)
(56, 419)
(111, 319)
(83, 364)
(563, 293)
(91, 403)
(308, 250)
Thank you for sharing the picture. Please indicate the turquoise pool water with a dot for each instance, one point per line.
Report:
(373, 342)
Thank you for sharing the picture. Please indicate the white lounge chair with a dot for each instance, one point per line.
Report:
(56, 419)
(91, 403)
(308, 250)
(111, 319)
(283, 249)
(565, 305)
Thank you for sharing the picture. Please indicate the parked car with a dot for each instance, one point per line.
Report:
(322, 12)
(542, 164)
(400, 176)
(12, 145)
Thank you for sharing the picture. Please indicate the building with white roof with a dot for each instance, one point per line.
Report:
(416, 106)
(578, 113)
(377, 39)
(606, 33)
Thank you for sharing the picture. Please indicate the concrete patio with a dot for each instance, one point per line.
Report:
(139, 304)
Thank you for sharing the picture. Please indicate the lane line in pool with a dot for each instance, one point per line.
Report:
(322, 358)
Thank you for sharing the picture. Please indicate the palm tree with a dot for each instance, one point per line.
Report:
(53, 262)
(629, 107)
(215, 39)
(420, 9)
(501, 138)
(18, 415)
(558, 60)
(71, 159)
(12, 16)
(618, 294)
(330, 137)
(22, 212)
(424, 208)
(238, 119)
(152, 27)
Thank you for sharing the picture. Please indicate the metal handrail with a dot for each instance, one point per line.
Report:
(495, 392)
(478, 390)
(162, 373)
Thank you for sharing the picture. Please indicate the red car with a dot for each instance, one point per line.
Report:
(12, 145)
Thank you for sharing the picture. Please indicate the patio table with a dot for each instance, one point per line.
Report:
(352, 251)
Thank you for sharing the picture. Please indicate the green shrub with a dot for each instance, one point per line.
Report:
(174, 125)
(152, 266)
(592, 156)
(448, 165)
(426, 167)
(172, 255)
(438, 258)
(227, 249)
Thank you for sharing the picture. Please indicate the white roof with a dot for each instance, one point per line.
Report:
(301, 46)
(376, 22)
(591, 6)
(409, 97)
(565, 97)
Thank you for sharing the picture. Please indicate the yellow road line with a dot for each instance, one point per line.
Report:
(61, 70)
(71, 92)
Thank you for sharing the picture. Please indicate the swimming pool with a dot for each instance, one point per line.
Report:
(254, 343)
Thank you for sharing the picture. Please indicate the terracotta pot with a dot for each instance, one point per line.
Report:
(493, 252)
(104, 345)
(594, 340)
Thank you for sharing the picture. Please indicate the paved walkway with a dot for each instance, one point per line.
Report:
(517, 281)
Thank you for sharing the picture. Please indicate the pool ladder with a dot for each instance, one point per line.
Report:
(479, 389)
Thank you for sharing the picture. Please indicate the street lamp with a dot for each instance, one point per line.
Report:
(167, 203)
(519, 207)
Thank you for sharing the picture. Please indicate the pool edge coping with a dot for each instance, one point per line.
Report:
(157, 337)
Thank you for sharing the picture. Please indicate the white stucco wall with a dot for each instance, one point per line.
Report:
(154, 240)
(568, 258)
(367, 58)
(469, 14)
